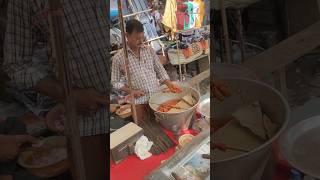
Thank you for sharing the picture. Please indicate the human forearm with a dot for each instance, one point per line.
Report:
(125, 88)
(50, 87)
(167, 82)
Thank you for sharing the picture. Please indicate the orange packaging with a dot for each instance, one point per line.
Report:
(187, 52)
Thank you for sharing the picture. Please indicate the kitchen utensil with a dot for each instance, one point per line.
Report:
(300, 146)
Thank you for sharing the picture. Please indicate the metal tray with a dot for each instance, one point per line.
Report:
(179, 158)
(300, 146)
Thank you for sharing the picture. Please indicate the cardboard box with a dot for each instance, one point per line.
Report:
(122, 141)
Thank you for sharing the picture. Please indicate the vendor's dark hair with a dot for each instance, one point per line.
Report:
(134, 25)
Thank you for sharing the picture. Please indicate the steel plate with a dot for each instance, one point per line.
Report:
(300, 146)
(204, 108)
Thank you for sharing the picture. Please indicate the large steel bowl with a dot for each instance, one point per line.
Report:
(249, 166)
(204, 109)
(174, 121)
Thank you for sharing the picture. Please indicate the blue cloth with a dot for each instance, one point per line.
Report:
(114, 14)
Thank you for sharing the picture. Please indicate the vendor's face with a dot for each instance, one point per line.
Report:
(135, 39)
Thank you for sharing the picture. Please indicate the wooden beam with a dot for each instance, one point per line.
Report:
(286, 51)
(137, 13)
(126, 60)
(225, 31)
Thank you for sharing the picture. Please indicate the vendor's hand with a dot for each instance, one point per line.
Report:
(220, 90)
(25, 139)
(9, 149)
(88, 101)
(173, 87)
(55, 119)
(10, 146)
(137, 93)
(113, 107)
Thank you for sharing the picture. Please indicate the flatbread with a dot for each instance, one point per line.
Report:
(181, 106)
(189, 99)
(251, 117)
(270, 127)
(236, 136)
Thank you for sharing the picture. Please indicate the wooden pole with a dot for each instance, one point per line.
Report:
(240, 33)
(137, 13)
(125, 51)
(72, 131)
(225, 31)
(179, 62)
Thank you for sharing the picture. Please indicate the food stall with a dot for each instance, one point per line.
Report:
(187, 129)
(179, 121)
(182, 128)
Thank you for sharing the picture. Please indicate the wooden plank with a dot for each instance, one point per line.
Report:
(286, 51)
(200, 77)
(137, 13)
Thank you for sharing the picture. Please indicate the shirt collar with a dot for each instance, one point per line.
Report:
(130, 50)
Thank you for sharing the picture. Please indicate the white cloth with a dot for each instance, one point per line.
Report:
(142, 147)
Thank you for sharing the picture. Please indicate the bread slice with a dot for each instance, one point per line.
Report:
(181, 106)
(189, 99)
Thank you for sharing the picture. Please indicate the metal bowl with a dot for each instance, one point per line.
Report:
(249, 166)
(174, 121)
(204, 109)
(300, 146)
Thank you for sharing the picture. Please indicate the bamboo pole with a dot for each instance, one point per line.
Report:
(179, 61)
(72, 131)
(125, 51)
(137, 13)
(240, 33)
(225, 31)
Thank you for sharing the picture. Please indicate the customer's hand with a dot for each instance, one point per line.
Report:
(220, 90)
(10, 145)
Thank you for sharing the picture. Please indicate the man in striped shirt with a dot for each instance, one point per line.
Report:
(147, 73)
(33, 71)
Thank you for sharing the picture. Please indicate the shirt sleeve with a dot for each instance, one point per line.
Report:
(115, 72)
(158, 67)
(18, 47)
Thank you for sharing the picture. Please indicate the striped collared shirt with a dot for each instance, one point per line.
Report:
(146, 72)
(86, 35)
